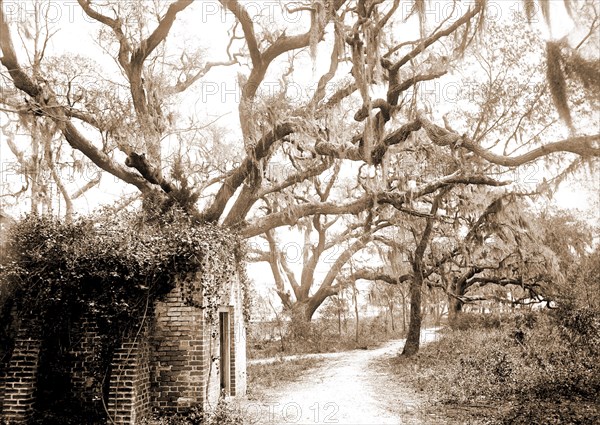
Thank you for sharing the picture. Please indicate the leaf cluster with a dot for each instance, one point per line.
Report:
(113, 266)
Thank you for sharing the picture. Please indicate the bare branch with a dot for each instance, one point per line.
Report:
(343, 258)
(79, 192)
(148, 45)
(297, 178)
(580, 145)
(397, 200)
(115, 25)
(401, 87)
(237, 177)
(437, 35)
(379, 275)
(248, 27)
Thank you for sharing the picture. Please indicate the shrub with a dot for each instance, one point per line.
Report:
(580, 327)
(223, 414)
(464, 321)
(531, 360)
(322, 336)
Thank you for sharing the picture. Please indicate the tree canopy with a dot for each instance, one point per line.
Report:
(344, 108)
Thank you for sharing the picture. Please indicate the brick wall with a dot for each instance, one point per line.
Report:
(170, 364)
(129, 391)
(232, 351)
(4, 362)
(178, 360)
(20, 378)
(85, 386)
(2, 380)
(143, 401)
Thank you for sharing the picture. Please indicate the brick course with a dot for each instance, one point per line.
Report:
(162, 365)
(129, 394)
(85, 351)
(20, 378)
(178, 361)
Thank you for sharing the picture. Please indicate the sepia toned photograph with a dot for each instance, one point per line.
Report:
(299, 212)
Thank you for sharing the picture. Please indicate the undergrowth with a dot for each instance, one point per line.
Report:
(540, 368)
(223, 414)
(280, 372)
(319, 336)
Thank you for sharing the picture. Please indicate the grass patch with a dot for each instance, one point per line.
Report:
(281, 372)
(223, 414)
(539, 368)
(321, 336)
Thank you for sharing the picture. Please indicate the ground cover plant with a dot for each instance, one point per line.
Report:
(278, 373)
(320, 336)
(536, 367)
(223, 414)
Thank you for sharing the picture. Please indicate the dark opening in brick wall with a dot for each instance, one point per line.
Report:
(160, 364)
(53, 395)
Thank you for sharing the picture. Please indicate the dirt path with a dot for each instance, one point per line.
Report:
(349, 389)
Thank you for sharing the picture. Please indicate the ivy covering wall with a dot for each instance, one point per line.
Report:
(113, 268)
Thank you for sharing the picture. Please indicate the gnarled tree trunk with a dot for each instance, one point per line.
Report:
(414, 325)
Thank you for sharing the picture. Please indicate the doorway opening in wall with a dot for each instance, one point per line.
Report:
(225, 351)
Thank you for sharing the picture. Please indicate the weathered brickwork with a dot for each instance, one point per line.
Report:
(129, 394)
(2, 381)
(85, 352)
(232, 390)
(170, 363)
(20, 378)
(178, 361)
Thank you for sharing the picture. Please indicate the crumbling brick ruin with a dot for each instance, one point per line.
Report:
(174, 360)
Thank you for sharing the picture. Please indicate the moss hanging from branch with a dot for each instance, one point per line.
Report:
(557, 82)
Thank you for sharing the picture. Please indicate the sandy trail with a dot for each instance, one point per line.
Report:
(347, 389)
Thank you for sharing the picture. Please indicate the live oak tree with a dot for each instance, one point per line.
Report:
(41, 162)
(467, 251)
(571, 238)
(328, 242)
(365, 109)
(502, 108)
(502, 248)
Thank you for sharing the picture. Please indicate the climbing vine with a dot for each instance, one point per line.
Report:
(114, 265)
(113, 268)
